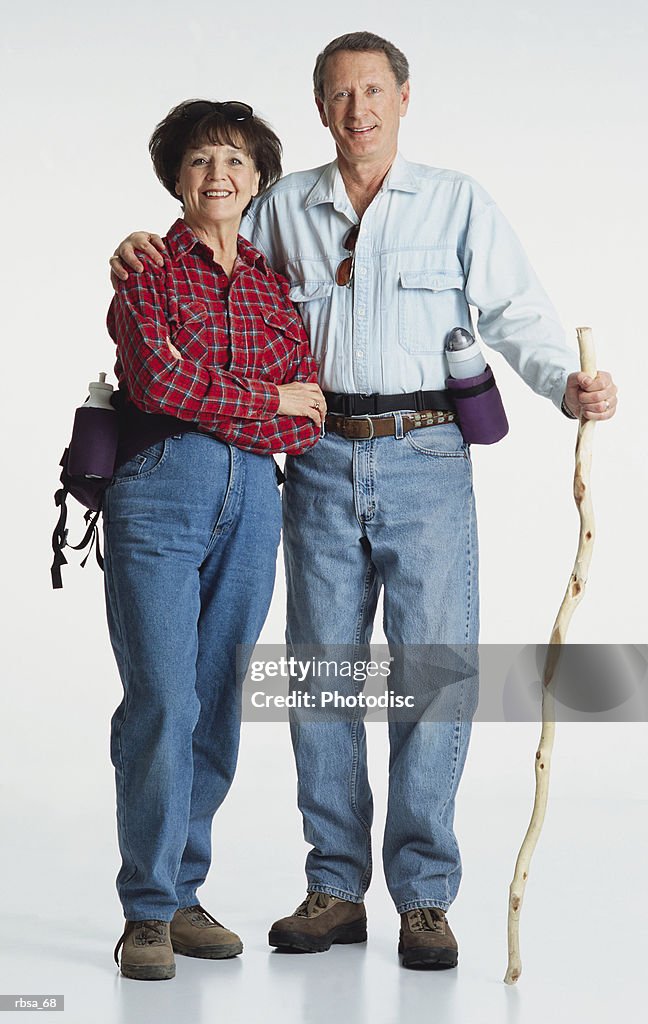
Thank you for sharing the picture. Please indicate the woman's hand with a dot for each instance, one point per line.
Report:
(124, 255)
(300, 399)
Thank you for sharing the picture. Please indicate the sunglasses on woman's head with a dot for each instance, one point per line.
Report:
(344, 272)
(233, 110)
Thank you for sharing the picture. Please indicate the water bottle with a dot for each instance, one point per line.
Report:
(465, 357)
(478, 403)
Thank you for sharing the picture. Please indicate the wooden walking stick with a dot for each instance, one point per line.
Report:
(573, 594)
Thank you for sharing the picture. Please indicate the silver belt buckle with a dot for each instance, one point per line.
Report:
(373, 432)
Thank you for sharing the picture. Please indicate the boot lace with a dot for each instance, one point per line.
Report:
(427, 919)
(149, 933)
(314, 903)
(201, 917)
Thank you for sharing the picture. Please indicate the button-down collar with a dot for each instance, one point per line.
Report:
(330, 186)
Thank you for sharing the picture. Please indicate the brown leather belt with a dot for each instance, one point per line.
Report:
(363, 428)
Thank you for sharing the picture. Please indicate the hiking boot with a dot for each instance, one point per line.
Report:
(318, 922)
(194, 932)
(147, 954)
(426, 940)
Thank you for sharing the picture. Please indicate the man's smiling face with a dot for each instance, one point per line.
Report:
(362, 105)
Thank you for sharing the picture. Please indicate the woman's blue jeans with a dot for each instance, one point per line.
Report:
(395, 513)
(191, 529)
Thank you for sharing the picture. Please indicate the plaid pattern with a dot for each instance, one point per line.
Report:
(237, 340)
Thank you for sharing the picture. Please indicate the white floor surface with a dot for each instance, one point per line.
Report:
(584, 930)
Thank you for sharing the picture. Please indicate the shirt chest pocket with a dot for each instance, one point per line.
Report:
(191, 330)
(430, 304)
(282, 333)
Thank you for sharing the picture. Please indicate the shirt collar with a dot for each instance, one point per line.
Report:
(401, 176)
(329, 188)
(180, 241)
(251, 256)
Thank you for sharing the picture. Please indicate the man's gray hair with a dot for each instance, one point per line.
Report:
(360, 42)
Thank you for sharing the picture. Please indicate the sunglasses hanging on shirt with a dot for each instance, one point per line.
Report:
(344, 272)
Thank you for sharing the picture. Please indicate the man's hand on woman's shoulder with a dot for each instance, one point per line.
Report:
(125, 258)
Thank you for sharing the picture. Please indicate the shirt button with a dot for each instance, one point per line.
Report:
(360, 353)
(362, 271)
(362, 311)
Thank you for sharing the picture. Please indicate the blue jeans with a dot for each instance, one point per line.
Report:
(191, 530)
(395, 513)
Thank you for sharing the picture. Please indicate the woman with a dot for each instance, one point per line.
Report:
(215, 375)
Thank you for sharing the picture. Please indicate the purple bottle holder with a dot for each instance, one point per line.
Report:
(93, 447)
(478, 404)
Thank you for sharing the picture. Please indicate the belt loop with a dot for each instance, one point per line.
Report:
(398, 422)
(420, 401)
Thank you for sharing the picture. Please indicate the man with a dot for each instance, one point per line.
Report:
(384, 257)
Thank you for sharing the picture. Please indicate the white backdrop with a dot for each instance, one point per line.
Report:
(542, 104)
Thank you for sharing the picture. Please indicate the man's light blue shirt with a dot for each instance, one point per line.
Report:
(431, 244)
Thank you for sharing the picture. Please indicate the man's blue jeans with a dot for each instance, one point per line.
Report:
(191, 527)
(395, 513)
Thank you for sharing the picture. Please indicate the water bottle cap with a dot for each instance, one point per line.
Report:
(458, 339)
(101, 383)
(99, 394)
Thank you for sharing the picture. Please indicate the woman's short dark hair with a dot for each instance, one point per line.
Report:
(181, 130)
(360, 42)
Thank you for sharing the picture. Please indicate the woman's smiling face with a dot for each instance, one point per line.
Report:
(216, 183)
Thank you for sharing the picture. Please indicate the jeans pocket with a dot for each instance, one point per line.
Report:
(444, 440)
(142, 465)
